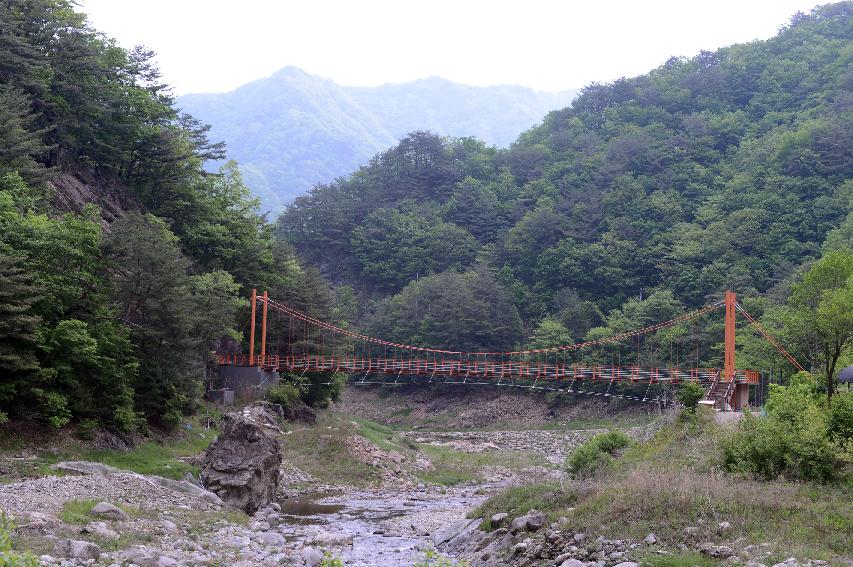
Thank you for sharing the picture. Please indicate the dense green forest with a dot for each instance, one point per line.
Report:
(117, 323)
(644, 198)
(292, 129)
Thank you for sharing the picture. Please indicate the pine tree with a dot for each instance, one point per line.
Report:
(18, 337)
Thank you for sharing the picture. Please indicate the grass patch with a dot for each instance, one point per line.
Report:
(456, 467)
(77, 511)
(380, 435)
(157, 457)
(549, 497)
(322, 452)
(686, 559)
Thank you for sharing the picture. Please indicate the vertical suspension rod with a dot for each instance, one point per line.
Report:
(252, 329)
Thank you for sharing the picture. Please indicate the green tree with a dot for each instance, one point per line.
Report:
(821, 317)
(153, 297)
(18, 337)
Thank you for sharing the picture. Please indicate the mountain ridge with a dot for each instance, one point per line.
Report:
(292, 130)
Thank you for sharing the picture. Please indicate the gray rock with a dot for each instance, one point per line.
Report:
(108, 511)
(498, 518)
(241, 466)
(311, 556)
(166, 561)
(186, 488)
(650, 539)
(138, 555)
(572, 563)
(627, 564)
(579, 538)
(724, 526)
(532, 521)
(86, 467)
(99, 529)
(716, 551)
(448, 533)
(74, 549)
(274, 539)
(168, 526)
(691, 530)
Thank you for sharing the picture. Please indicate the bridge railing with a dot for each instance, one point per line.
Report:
(482, 368)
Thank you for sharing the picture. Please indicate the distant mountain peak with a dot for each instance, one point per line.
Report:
(293, 130)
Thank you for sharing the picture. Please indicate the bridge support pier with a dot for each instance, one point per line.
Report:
(740, 397)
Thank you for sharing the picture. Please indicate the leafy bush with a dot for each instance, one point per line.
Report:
(9, 558)
(689, 395)
(596, 453)
(800, 437)
(86, 429)
(53, 407)
(840, 424)
(285, 393)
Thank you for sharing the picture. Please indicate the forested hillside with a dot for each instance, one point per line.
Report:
(112, 318)
(293, 130)
(731, 169)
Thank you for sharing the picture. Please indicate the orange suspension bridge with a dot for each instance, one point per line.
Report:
(315, 346)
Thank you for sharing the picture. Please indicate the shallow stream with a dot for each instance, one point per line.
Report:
(387, 529)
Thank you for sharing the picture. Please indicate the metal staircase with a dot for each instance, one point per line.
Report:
(719, 394)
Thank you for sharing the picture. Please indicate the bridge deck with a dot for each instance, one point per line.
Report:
(484, 369)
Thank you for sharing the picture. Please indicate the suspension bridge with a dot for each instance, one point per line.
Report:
(312, 346)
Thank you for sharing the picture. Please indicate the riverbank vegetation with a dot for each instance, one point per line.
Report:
(682, 486)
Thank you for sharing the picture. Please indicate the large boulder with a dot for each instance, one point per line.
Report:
(241, 465)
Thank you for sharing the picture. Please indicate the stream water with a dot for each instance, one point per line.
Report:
(386, 529)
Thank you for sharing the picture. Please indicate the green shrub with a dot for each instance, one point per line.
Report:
(800, 437)
(53, 407)
(757, 448)
(689, 395)
(330, 560)
(596, 453)
(612, 441)
(285, 393)
(840, 425)
(9, 558)
(86, 429)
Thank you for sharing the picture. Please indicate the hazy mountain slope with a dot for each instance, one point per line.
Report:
(292, 130)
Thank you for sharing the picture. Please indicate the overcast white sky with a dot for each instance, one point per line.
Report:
(217, 45)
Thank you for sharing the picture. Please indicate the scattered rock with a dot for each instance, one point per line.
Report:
(273, 539)
(723, 526)
(168, 526)
(186, 487)
(498, 518)
(650, 539)
(311, 556)
(627, 564)
(572, 563)
(532, 521)
(74, 549)
(301, 412)
(166, 561)
(716, 551)
(109, 512)
(99, 529)
(241, 465)
(691, 530)
(333, 539)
